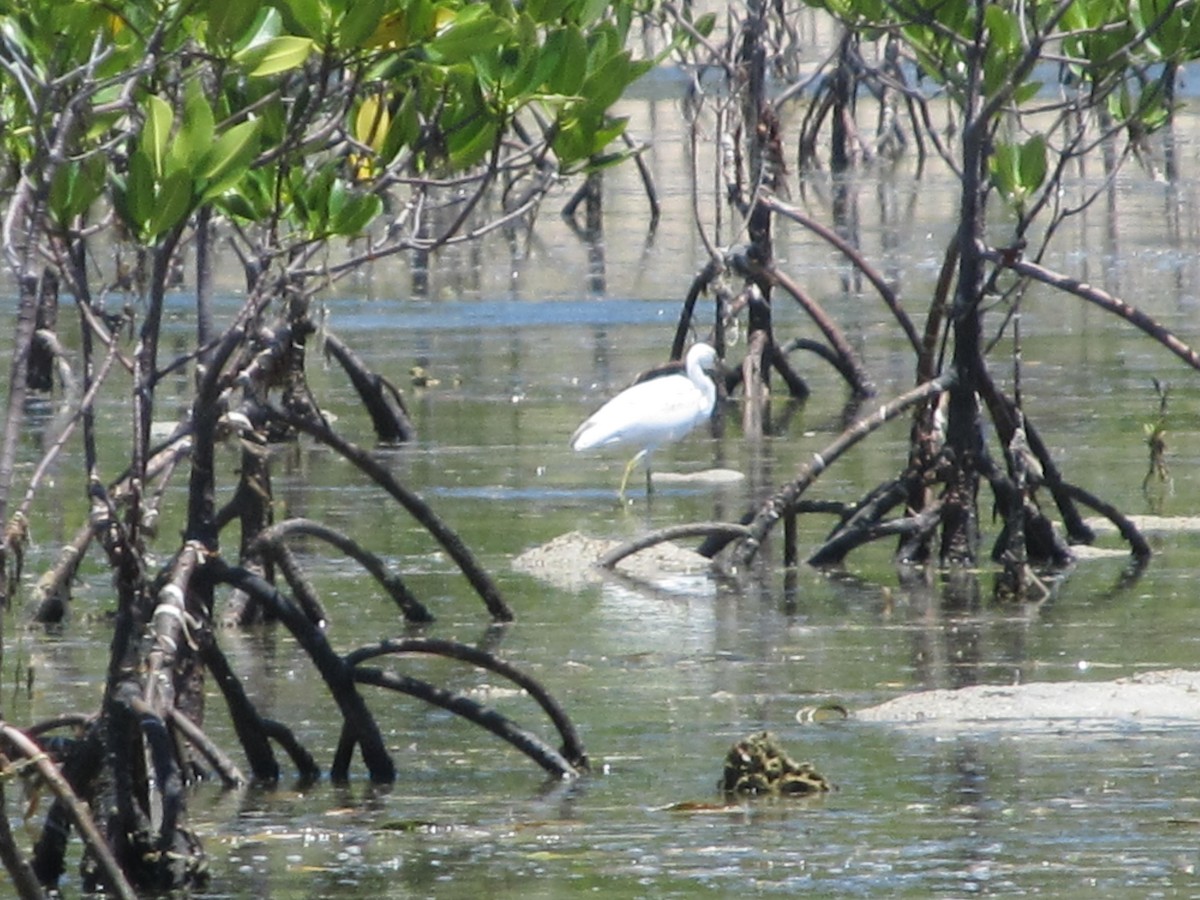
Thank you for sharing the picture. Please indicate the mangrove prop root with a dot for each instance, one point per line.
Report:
(247, 723)
(225, 767)
(416, 507)
(303, 593)
(24, 880)
(80, 816)
(301, 758)
(885, 290)
(501, 726)
(413, 609)
(572, 746)
(382, 399)
(723, 530)
(336, 673)
(785, 498)
(1137, 542)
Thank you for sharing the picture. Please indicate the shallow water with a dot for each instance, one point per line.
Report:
(662, 678)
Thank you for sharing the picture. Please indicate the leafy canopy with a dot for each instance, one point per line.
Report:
(302, 112)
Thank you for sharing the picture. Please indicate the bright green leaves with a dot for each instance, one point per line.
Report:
(228, 115)
(173, 201)
(196, 129)
(492, 60)
(172, 170)
(351, 210)
(564, 61)
(1177, 36)
(584, 126)
(1019, 170)
(227, 160)
(75, 186)
(576, 12)
(324, 204)
(1004, 49)
(134, 198)
(473, 30)
(1145, 110)
(228, 20)
(156, 132)
(274, 55)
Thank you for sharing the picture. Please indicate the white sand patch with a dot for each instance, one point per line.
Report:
(1151, 700)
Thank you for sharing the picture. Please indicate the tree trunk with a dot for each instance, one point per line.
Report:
(960, 518)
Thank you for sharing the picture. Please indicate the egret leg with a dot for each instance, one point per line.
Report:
(628, 471)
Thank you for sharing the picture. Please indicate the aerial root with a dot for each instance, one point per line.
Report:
(727, 530)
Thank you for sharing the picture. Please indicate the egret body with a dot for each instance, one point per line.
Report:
(653, 413)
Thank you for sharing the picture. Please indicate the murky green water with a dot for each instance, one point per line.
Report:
(662, 679)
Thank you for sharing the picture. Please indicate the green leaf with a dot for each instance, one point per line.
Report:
(1001, 27)
(306, 16)
(548, 10)
(521, 60)
(195, 135)
(359, 23)
(570, 67)
(267, 26)
(76, 186)
(584, 131)
(591, 10)
(354, 214)
(237, 206)
(404, 128)
(228, 20)
(156, 132)
(475, 29)
(606, 85)
(228, 158)
(172, 205)
(139, 190)
(471, 143)
(278, 54)
(1027, 92)
(339, 193)
(603, 44)
(1032, 163)
(1003, 166)
(312, 194)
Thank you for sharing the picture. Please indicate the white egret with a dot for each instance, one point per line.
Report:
(654, 412)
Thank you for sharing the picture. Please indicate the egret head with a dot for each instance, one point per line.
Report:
(702, 356)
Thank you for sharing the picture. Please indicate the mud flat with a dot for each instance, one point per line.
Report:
(1150, 701)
